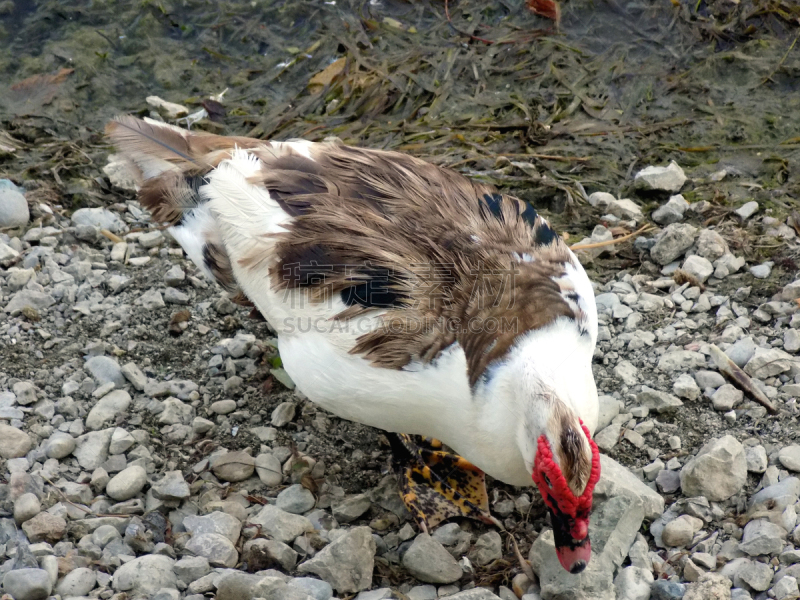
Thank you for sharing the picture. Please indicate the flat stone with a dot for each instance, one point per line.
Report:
(429, 561)
(191, 568)
(625, 208)
(317, 589)
(218, 549)
(346, 563)
(283, 414)
(681, 360)
(281, 525)
(351, 508)
(134, 374)
(29, 299)
(45, 527)
(752, 574)
(171, 487)
(100, 218)
(113, 404)
(747, 210)
(261, 554)
(216, 522)
(718, 471)
(762, 537)
(768, 363)
(661, 402)
(234, 466)
(617, 480)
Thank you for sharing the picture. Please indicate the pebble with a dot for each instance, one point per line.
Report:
(233, 466)
(667, 179)
(26, 507)
(108, 408)
(346, 563)
(145, 575)
(718, 471)
(269, 469)
(295, 499)
(126, 484)
(28, 584)
(747, 210)
(78, 582)
(283, 414)
(223, 407)
(14, 443)
(218, 549)
(761, 271)
(427, 560)
(672, 211)
(13, 208)
(790, 457)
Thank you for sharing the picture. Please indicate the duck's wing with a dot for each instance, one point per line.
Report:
(434, 257)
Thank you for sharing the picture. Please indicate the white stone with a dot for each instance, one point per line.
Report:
(667, 179)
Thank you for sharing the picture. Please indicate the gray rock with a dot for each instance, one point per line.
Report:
(698, 267)
(25, 392)
(627, 372)
(107, 409)
(429, 561)
(175, 276)
(711, 586)
(45, 527)
(347, 563)
(718, 471)
(175, 296)
(295, 499)
(625, 208)
(317, 589)
(151, 300)
(616, 480)
(609, 408)
(234, 466)
(233, 585)
(175, 412)
(127, 483)
(595, 582)
(741, 351)
(791, 340)
(151, 239)
(673, 242)
(26, 507)
(14, 443)
(145, 575)
(747, 210)
(216, 522)
(268, 469)
(679, 532)
(672, 211)
(59, 445)
(790, 457)
(685, 387)
(218, 549)
(105, 369)
(786, 588)
(762, 537)
(28, 584)
(281, 525)
(681, 360)
(223, 407)
(29, 298)
(488, 548)
(768, 363)
(726, 397)
(171, 487)
(477, 594)
(133, 374)
(752, 575)
(633, 583)
(283, 413)
(761, 271)
(13, 208)
(777, 496)
(709, 379)
(351, 508)
(660, 402)
(191, 568)
(100, 218)
(261, 554)
(756, 457)
(668, 482)
(663, 589)
(78, 582)
(121, 441)
(711, 245)
(667, 179)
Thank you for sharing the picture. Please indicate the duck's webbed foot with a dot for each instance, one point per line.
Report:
(436, 485)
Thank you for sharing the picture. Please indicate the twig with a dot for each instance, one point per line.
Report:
(739, 378)
(624, 238)
(778, 66)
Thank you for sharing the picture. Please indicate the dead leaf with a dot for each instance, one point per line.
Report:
(545, 8)
(324, 77)
(31, 94)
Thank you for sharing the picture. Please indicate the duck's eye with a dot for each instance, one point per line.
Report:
(547, 481)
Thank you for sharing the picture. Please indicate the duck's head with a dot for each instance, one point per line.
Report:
(565, 473)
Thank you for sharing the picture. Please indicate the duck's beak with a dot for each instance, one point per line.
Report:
(573, 547)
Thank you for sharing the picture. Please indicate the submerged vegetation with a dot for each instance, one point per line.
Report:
(548, 111)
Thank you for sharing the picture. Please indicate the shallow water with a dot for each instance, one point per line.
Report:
(618, 86)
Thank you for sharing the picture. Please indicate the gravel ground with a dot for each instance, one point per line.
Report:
(153, 447)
